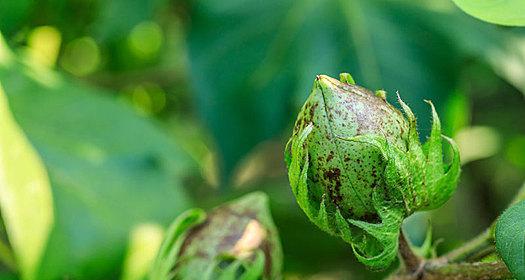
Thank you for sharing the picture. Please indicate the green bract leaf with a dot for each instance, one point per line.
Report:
(506, 12)
(170, 248)
(357, 168)
(110, 169)
(25, 194)
(510, 239)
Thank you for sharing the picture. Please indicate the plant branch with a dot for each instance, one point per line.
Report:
(459, 271)
(454, 265)
(413, 263)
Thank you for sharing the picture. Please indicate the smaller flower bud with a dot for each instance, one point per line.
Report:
(237, 240)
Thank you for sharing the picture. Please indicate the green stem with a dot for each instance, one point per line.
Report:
(472, 249)
(478, 270)
(483, 244)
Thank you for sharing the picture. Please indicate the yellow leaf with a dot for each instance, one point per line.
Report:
(145, 241)
(25, 194)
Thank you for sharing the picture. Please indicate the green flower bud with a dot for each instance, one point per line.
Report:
(237, 240)
(357, 168)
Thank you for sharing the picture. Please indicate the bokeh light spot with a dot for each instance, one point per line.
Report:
(516, 150)
(145, 241)
(145, 40)
(147, 98)
(477, 142)
(43, 45)
(81, 56)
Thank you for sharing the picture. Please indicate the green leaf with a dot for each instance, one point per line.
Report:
(25, 194)
(510, 239)
(506, 12)
(110, 169)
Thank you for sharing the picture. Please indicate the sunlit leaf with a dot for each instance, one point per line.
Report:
(510, 239)
(110, 169)
(144, 242)
(487, 139)
(25, 194)
(506, 12)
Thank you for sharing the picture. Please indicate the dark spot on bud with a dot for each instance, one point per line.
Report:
(202, 231)
(266, 248)
(374, 173)
(333, 175)
(312, 110)
(330, 156)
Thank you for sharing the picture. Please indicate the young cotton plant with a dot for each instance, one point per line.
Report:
(357, 168)
(235, 241)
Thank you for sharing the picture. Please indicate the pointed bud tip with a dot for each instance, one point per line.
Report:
(324, 82)
(429, 102)
(327, 82)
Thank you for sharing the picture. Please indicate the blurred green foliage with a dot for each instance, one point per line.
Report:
(142, 109)
(110, 169)
(259, 63)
